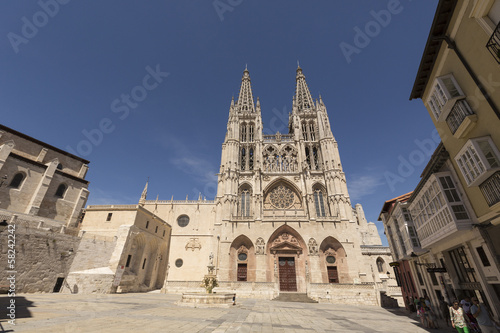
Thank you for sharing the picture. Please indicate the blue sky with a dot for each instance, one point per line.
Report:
(67, 69)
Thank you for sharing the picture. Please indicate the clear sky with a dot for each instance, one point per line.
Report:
(67, 67)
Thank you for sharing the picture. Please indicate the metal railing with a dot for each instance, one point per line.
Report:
(491, 189)
(493, 44)
(460, 111)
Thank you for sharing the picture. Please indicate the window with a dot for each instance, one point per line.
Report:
(179, 263)
(163, 233)
(243, 158)
(59, 166)
(483, 256)
(17, 180)
(61, 189)
(493, 44)
(250, 159)
(128, 260)
(491, 189)
(433, 278)
(243, 133)
(108, 218)
(457, 115)
(156, 229)
(319, 203)
(147, 224)
(183, 221)
(144, 263)
(242, 256)
(477, 158)
(312, 134)
(445, 88)
(380, 265)
(245, 203)
(330, 259)
(304, 131)
(250, 133)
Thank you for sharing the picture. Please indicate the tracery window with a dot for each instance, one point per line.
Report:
(250, 132)
(315, 158)
(243, 159)
(243, 133)
(311, 132)
(281, 197)
(308, 157)
(250, 159)
(245, 203)
(319, 203)
(304, 131)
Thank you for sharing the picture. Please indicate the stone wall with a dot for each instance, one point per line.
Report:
(44, 252)
(90, 272)
(339, 293)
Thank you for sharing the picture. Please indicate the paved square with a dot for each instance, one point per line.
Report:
(154, 312)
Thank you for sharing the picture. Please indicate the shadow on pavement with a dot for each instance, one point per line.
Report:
(18, 309)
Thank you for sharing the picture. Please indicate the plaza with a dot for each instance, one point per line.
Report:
(155, 312)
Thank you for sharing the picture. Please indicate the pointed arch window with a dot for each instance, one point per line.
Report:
(250, 159)
(61, 190)
(380, 265)
(17, 180)
(243, 158)
(250, 132)
(308, 157)
(312, 134)
(243, 133)
(244, 202)
(304, 131)
(319, 203)
(315, 158)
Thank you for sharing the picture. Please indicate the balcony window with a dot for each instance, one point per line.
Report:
(493, 44)
(459, 112)
(445, 88)
(491, 189)
(477, 160)
(438, 209)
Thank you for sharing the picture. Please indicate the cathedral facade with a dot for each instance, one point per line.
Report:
(282, 218)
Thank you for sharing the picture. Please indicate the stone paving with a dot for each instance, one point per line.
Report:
(155, 312)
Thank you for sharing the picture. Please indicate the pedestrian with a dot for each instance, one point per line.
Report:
(421, 312)
(458, 319)
(481, 313)
(445, 311)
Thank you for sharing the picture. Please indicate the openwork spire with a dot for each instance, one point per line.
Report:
(303, 99)
(144, 194)
(245, 99)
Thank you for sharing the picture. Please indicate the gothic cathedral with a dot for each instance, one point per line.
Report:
(282, 218)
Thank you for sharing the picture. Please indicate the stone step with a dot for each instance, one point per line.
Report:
(294, 297)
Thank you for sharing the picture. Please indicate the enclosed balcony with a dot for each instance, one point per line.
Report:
(493, 44)
(438, 210)
(461, 118)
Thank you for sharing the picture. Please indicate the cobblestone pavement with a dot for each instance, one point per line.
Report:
(154, 312)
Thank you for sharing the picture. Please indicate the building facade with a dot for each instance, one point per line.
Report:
(282, 219)
(39, 179)
(458, 81)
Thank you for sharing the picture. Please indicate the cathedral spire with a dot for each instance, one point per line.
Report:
(144, 194)
(303, 99)
(245, 99)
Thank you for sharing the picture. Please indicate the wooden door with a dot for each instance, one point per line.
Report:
(242, 272)
(333, 276)
(288, 279)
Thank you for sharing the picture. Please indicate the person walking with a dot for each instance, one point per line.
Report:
(458, 319)
(480, 312)
(445, 311)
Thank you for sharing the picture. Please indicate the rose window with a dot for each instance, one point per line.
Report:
(281, 197)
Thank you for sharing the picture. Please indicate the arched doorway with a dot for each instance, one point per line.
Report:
(242, 260)
(333, 261)
(286, 263)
